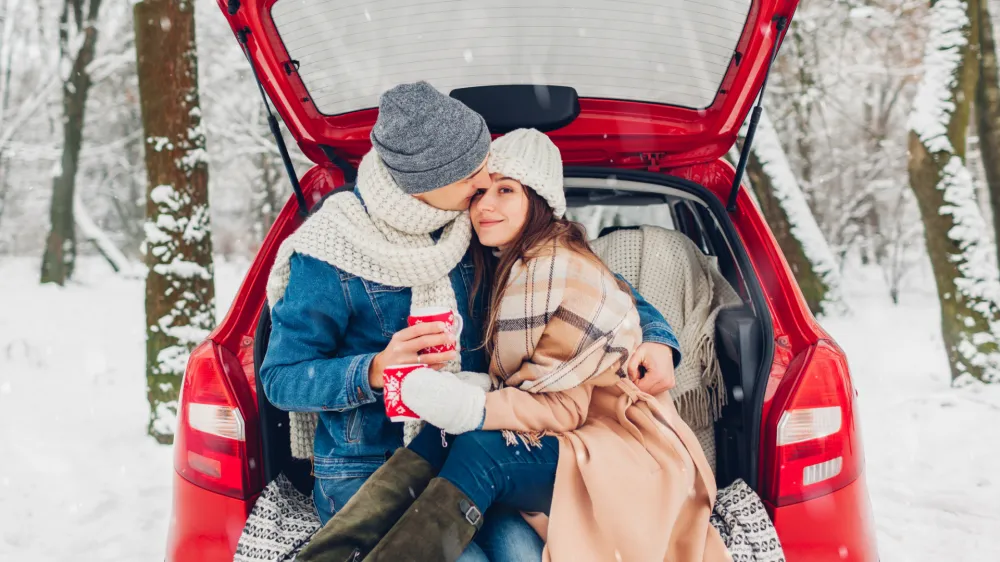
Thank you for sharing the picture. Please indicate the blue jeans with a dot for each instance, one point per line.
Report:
(505, 537)
(486, 469)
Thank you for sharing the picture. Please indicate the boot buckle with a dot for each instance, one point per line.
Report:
(471, 512)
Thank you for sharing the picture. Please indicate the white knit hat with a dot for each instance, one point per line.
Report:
(530, 157)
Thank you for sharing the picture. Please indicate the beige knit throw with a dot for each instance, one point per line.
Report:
(673, 275)
(386, 240)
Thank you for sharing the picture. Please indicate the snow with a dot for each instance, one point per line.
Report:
(181, 269)
(160, 143)
(83, 477)
(930, 448)
(165, 195)
(933, 105)
(79, 477)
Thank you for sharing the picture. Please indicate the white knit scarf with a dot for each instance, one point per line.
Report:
(386, 240)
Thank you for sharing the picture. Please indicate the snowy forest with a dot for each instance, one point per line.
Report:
(876, 165)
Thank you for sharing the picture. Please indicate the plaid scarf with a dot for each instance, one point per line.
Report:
(563, 321)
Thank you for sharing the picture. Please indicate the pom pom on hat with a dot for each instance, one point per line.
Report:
(530, 157)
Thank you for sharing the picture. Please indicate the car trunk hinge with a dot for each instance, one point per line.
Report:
(272, 123)
(779, 23)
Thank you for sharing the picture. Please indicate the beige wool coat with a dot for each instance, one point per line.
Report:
(632, 483)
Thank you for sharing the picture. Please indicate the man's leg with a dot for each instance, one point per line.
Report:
(473, 553)
(371, 512)
(507, 537)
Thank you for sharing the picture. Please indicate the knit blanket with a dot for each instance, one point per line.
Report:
(673, 275)
(283, 520)
(386, 239)
(741, 519)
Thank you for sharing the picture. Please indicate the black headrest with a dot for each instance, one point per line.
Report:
(516, 106)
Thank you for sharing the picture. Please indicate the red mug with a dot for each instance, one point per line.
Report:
(451, 319)
(392, 378)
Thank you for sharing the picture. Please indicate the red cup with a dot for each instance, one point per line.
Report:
(451, 319)
(392, 378)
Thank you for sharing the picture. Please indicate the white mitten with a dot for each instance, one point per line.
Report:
(444, 401)
(478, 380)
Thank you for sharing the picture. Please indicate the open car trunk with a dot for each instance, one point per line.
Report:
(605, 200)
(671, 80)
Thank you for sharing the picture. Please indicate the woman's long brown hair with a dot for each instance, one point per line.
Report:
(540, 228)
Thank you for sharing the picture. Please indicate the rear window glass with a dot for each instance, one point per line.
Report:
(596, 219)
(674, 52)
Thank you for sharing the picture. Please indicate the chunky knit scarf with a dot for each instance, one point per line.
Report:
(387, 240)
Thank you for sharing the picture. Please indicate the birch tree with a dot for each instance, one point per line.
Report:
(179, 286)
(957, 236)
(77, 45)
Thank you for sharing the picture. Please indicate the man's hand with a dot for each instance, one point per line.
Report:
(405, 346)
(658, 361)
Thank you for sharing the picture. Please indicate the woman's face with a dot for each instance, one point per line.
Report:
(499, 212)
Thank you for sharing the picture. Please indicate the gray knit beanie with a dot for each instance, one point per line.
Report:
(426, 139)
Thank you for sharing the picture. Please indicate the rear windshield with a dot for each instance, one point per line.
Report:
(674, 52)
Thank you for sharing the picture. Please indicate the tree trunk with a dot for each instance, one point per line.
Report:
(988, 112)
(60, 246)
(180, 290)
(793, 224)
(957, 235)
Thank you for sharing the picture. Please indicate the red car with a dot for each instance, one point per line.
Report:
(643, 106)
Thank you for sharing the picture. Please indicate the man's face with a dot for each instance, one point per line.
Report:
(457, 196)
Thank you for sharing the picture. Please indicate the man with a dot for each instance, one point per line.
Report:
(344, 283)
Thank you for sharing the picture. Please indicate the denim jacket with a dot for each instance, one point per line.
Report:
(326, 330)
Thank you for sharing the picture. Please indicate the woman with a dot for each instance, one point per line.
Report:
(608, 471)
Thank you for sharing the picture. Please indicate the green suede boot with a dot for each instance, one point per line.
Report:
(436, 528)
(371, 513)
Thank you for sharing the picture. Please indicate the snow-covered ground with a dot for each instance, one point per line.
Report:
(932, 451)
(79, 480)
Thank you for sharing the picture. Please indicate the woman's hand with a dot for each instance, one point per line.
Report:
(657, 361)
(444, 401)
(404, 348)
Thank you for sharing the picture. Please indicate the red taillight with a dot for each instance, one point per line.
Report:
(211, 446)
(811, 442)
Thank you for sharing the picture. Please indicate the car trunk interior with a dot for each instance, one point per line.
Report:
(605, 200)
